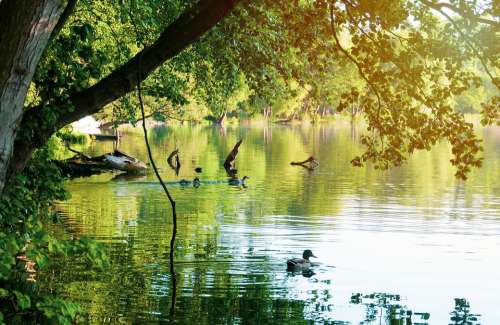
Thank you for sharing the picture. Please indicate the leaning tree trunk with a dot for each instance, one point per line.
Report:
(220, 120)
(25, 28)
(185, 30)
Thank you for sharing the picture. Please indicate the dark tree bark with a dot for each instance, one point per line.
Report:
(310, 163)
(220, 120)
(25, 29)
(229, 163)
(68, 10)
(182, 32)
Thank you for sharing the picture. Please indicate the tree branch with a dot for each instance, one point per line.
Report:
(441, 5)
(468, 42)
(176, 37)
(70, 7)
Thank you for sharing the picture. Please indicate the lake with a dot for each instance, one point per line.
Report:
(407, 243)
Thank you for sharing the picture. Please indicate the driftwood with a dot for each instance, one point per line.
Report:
(72, 168)
(171, 157)
(83, 165)
(104, 137)
(229, 164)
(177, 165)
(310, 163)
(121, 161)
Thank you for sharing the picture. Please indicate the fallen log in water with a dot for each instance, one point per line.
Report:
(229, 164)
(84, 165)
(121, 161)
(79, 168)
(177, 165)
(310, 163)
(104, 137)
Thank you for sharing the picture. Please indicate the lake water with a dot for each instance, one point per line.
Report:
(410, 240)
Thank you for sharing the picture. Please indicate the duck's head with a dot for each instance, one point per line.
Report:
(307, 253)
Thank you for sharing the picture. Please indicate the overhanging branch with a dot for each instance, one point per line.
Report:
(176, 37)
(441, 5)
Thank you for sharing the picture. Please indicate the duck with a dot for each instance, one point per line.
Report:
(303, 263)
(185, 182)
(237, 182)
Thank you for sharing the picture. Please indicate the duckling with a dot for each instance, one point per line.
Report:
(184, 182)
(295, 264)
(238, 182)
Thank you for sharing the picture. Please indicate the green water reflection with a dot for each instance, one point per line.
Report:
(414, 231)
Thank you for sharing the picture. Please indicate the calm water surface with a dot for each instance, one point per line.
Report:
(414, 237)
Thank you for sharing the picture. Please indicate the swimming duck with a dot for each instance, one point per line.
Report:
(185, 182)
(300, 263)
(237, 182)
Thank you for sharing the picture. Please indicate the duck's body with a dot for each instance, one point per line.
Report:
(296, 264)
(185, 182)
(238, 182)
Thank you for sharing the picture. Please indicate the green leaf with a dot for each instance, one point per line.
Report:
(23, 301)
(3, 293)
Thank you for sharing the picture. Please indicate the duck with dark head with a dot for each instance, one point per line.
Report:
(238, 182)
(300, 264)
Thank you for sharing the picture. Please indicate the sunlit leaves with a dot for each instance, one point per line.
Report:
(491, 111)
(410, 68)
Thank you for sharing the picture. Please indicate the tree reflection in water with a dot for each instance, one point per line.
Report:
(232, 244)
(385, 308)
(462, 315)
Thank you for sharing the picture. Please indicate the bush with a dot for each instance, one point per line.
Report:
(27, 246)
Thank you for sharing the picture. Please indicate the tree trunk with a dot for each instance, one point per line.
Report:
(185, 30)
(220, 120)
(25, 29)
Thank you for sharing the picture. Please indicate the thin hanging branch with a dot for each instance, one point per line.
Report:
(170, 199)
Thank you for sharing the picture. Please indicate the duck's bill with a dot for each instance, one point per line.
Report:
(314, 256)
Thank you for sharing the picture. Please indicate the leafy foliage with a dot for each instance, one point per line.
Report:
(27, 247)
(411, 68)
